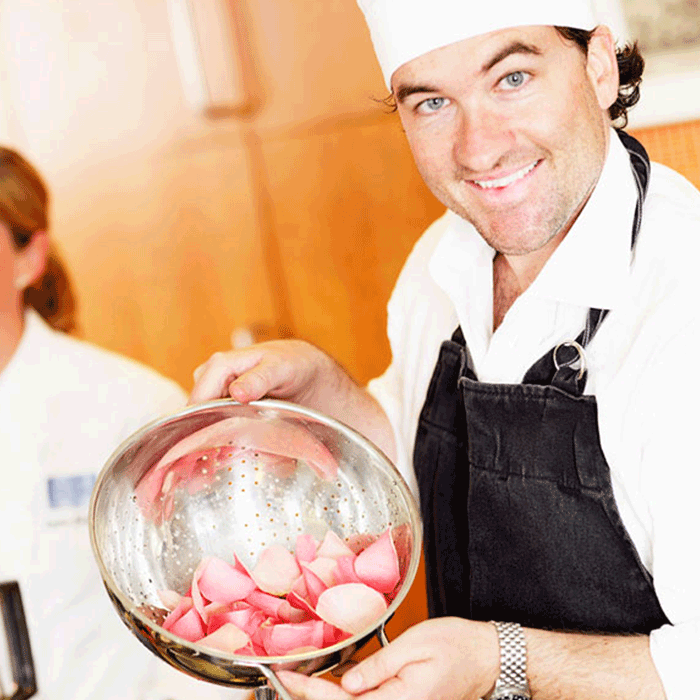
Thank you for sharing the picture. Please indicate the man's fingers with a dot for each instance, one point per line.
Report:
(380, 667)
(281, 368)
(212, 379)
(260, 380)
(307, 688)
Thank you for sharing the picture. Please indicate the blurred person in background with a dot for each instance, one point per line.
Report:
(65, 405)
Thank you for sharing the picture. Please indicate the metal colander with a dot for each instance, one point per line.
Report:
(243, 503)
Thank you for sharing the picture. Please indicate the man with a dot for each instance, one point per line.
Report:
(551, 439)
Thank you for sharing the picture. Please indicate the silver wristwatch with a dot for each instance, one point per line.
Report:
(512, 682)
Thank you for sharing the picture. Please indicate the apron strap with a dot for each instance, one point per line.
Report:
(565, 366)
(641, 167)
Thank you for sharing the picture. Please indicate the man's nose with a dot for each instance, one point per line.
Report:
(482, 138)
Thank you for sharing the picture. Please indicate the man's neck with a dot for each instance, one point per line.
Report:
(513, 274)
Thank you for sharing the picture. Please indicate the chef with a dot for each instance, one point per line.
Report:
(65, 405)
(540, 394)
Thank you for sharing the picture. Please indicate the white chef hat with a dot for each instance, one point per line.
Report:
(402, 30)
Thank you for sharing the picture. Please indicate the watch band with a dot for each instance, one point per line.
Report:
(512, 680)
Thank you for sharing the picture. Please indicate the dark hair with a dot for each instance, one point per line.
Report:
(630, 65)
(24, 202)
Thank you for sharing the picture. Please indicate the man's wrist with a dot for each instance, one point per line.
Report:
(512, 679)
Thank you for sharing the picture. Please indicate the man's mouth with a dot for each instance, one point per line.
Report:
(507, 180)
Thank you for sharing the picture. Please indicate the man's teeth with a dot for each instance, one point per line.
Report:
(505, 181)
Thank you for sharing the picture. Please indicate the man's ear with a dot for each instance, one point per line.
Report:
(31, 260)
(601, 66)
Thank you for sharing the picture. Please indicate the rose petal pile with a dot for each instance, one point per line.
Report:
(288, 603)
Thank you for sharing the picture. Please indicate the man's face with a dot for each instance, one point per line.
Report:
(510, 129)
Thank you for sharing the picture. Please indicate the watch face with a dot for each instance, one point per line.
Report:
(511, 695)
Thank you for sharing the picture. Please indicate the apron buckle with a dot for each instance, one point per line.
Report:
(580, 358)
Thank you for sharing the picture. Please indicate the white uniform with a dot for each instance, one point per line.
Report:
(642, 363)
(65, 405)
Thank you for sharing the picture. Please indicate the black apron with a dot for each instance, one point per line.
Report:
(519, 518)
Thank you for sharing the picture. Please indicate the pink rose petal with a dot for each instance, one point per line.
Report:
(169, 598)
(227, 638)
(269, 604)
(290, 613)
(185, 605)
(190, 626)
(285, 638)
(306, 546)
(276, 570)
(378, 565)
(300, 601)
(332, 635)
(245, 618)
(221, 582)
(260, 634)
(324, 568)
(345, 570)
(314, 584)
(351, 607)
(213, 609)
(200, 602)
(333, 547)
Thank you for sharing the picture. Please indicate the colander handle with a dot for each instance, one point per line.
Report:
(381, 634)
(264, 693)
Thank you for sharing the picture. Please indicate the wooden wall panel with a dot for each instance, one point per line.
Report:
(348, 206)
(312, 60)
(167, 261)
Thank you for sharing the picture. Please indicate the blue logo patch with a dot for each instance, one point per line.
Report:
(70, 491)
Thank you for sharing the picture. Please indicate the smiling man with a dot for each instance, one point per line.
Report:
(538, 397)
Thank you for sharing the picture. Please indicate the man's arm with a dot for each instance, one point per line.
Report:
(575, 665)
(456, 659)
(299, 372)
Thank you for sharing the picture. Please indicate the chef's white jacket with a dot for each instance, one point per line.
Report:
(65, 405)
(642, 364)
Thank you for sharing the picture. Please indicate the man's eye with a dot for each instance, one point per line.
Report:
(514, 80)
(432, 104)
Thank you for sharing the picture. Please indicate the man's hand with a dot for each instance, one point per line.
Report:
(443, 659)
(295, 371)
(453, 659)
(283, 369)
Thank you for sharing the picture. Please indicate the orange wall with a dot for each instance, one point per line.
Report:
(675, 145)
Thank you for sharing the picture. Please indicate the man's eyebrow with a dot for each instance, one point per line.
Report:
(404, 91)
(509, 50)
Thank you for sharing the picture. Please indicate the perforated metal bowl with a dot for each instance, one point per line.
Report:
(242, 506)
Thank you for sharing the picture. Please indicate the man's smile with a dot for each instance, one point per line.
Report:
(506, 179)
